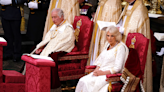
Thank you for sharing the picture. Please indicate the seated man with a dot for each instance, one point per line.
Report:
(59, 38)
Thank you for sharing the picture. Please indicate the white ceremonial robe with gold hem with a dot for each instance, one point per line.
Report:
(109, 11)
(69, 7)
(113, 60)
(58, 39)
(136, 20)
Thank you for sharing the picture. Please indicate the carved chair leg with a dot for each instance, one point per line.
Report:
(110, 87)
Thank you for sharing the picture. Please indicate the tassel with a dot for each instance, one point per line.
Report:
(110, 87)
(22, 26)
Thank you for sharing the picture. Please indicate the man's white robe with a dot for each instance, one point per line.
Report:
(58, 39)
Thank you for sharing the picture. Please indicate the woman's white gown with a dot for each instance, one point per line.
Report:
(113, 60)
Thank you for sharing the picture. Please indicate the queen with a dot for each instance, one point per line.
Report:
(110, 61)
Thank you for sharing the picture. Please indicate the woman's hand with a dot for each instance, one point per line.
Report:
(98, 73)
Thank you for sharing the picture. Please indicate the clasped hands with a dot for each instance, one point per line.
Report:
(98, 72)
(38, 51)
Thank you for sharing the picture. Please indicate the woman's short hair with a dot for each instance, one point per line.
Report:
(60, 12)
(114, 31)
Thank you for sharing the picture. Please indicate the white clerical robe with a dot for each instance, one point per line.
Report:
(109, 11)
(58, 39)
(113, 60)
(69, 7)
(136, 20)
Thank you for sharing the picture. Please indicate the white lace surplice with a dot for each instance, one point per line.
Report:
(112, 60)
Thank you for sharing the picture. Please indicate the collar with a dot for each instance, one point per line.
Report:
(61, 23)
(132, 3)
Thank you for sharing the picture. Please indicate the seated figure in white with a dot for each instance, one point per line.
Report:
(59, 38)
(110, 61)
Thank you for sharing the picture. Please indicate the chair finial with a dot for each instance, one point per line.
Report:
(77, 30)
(133, 42)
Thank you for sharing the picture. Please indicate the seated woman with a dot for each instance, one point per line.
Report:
(110, 61)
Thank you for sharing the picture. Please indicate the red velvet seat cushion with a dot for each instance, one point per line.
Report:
(11, 76)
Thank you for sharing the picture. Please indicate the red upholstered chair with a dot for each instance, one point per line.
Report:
(138, 54)
(10, 80)
(75, 67)
(72, 65)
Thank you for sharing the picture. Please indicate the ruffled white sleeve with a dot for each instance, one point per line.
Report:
(120, 60)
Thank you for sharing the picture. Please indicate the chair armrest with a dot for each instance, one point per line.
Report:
(38, 62)
(113, 77)
(90, 67)
(74, 56)
(76, 53)
(3, 43)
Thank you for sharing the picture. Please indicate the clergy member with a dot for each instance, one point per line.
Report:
(109, 11)
(69, 7)
(59, 38)
(135, 19)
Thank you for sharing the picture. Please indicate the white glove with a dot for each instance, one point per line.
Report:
(25, 4)
(33, 5)
(5, 2)
(121, 30)
(161, 52)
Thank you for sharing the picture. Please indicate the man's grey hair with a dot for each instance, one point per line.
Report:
(114, 30)
(60, 12)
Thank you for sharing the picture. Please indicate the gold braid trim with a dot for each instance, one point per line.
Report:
(77, 2)
(22, 26)
(139, 28)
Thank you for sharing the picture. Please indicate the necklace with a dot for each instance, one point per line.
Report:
(111, 47)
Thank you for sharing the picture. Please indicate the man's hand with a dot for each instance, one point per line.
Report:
(38, 51)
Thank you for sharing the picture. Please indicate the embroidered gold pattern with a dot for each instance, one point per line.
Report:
(133, 42)
(77, 30)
